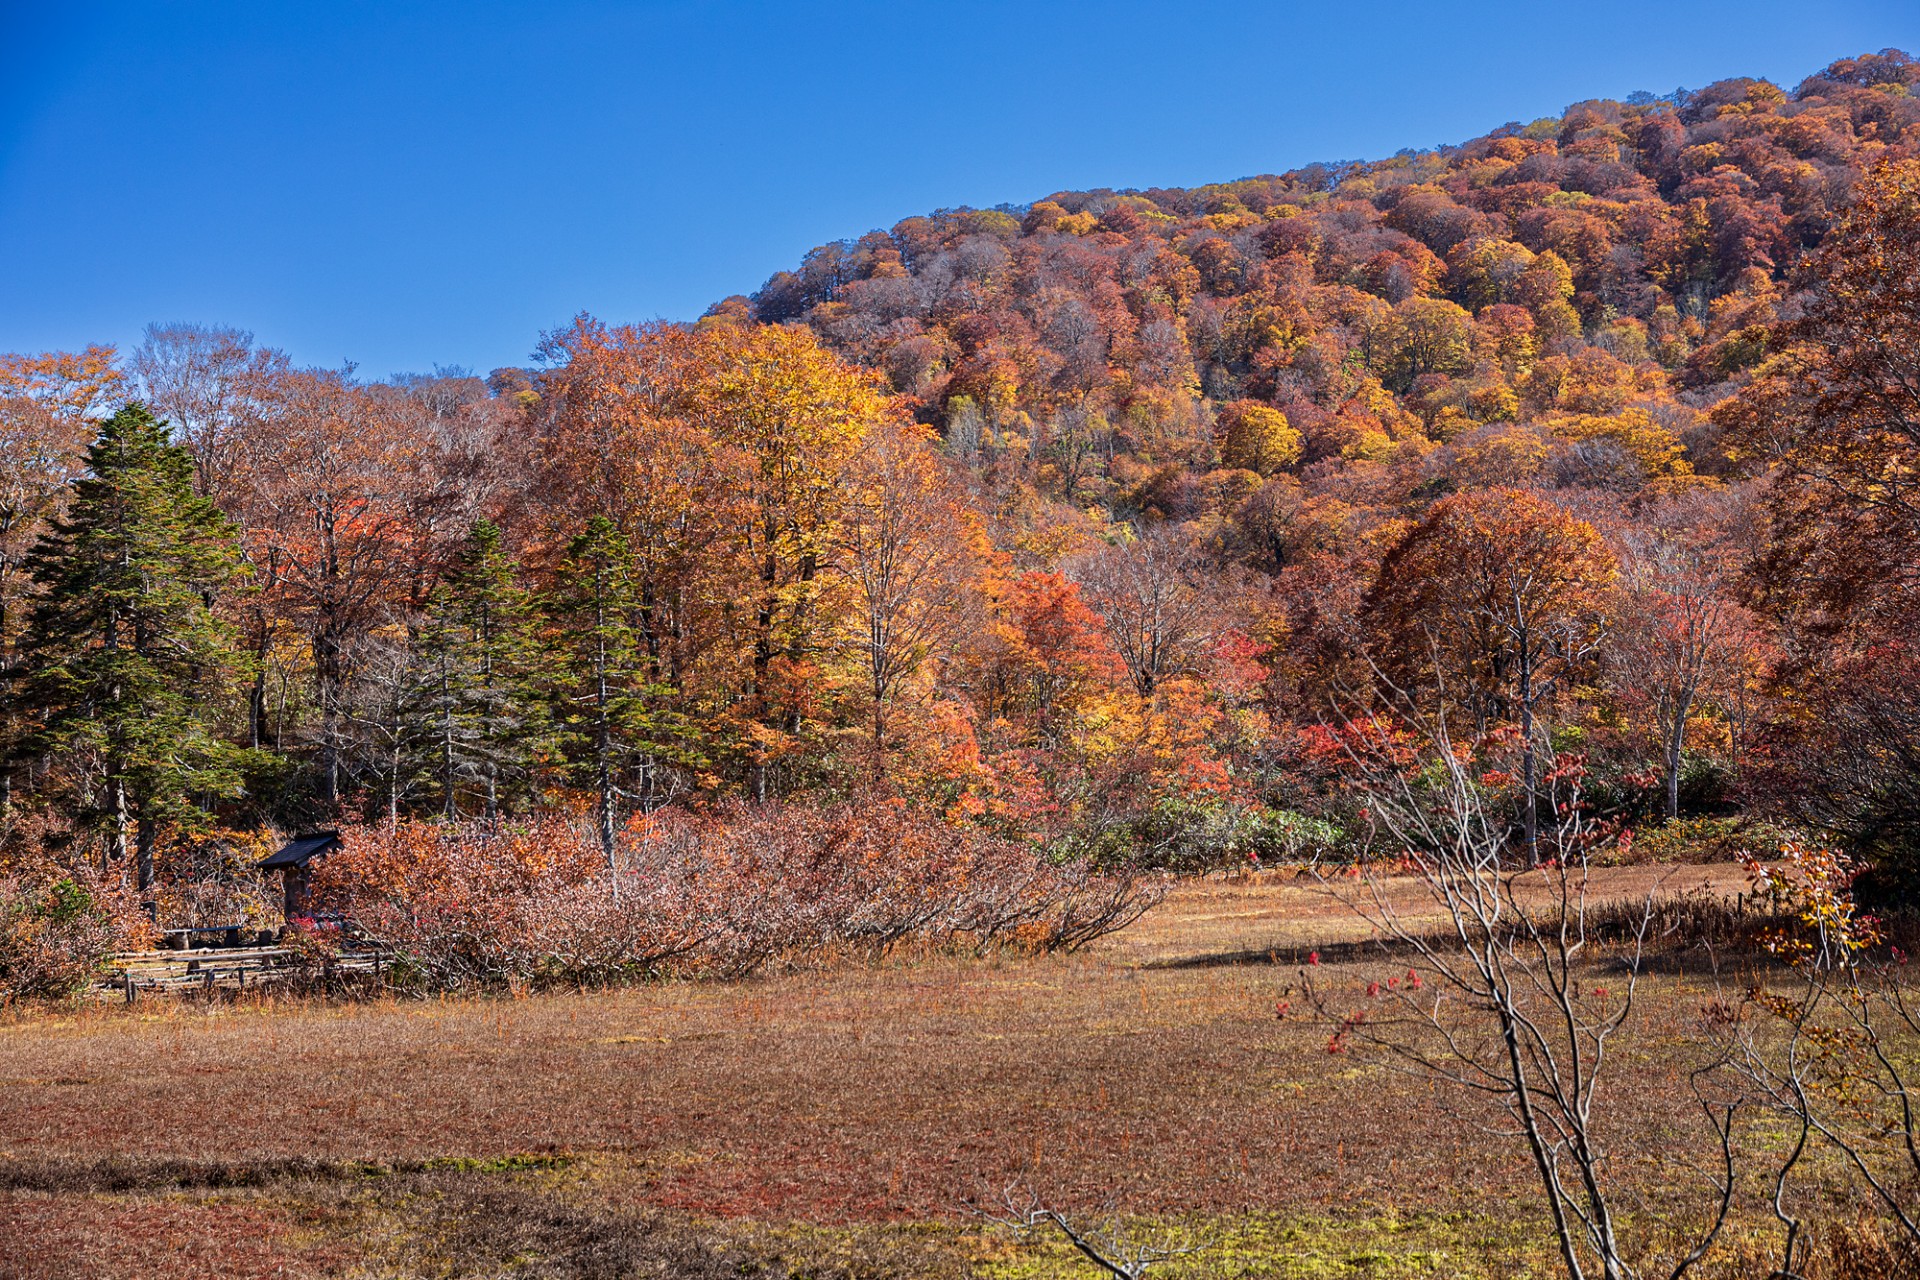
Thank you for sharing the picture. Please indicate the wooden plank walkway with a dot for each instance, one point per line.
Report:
(210, 969)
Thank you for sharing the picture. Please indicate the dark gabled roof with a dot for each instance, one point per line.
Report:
(301, 850)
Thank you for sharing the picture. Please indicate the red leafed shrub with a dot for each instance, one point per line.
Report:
(723, 893)
(57, 933)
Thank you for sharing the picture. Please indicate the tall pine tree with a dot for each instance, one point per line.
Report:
(126, 665)
(614, 727)
(478, 716)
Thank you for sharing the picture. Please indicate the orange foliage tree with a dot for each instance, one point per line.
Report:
(916, 564)
(1491, 602)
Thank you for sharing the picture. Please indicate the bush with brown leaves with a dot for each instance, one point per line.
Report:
(724, 892)
(56, 934)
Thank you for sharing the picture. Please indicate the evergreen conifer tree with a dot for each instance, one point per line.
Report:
(126, 665)
(477, 654)
(613, 728)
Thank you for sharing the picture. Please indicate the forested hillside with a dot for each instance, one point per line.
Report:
(1086, 526)
(1293, 369)
(1598, 280)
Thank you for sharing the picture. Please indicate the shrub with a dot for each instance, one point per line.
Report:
(56, 935)
(1191, 837)
(1706, 783)
(1704, 840)
(1281, 835)
(725, 892)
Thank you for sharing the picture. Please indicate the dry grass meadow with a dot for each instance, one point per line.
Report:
(830, 1123)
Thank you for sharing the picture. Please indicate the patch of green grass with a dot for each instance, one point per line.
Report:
(1386, 1246)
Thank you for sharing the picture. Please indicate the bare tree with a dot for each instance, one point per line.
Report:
(1679, 640)
(1502, 1001)
(382, 743)
(466, 464)
(1074, 440)
(1150, 593)
(219, 391)
(209, 381)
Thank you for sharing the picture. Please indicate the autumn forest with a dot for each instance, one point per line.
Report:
(1478, 533)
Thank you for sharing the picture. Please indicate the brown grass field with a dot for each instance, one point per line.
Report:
(830, 1122)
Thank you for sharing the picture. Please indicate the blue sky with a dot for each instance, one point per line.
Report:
(411, 184)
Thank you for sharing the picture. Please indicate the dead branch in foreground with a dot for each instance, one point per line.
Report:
(1024, 1211)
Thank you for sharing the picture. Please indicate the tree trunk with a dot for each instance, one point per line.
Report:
(878, 687)
(607, 800)
(117, 842)
(6, 686)
(446, 750)
(327, 666)
(606, 815)
(1674, 738)
(143, 857)
(763, 646)
(257, 696)
(329, 662)
(1529, 765)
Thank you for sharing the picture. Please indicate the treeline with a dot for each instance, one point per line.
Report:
(1073, 525)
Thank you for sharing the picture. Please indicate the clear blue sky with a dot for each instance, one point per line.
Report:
(410, 184)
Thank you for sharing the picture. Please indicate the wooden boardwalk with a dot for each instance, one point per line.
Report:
(206, 970)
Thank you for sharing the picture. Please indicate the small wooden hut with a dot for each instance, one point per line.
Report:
(294, 862)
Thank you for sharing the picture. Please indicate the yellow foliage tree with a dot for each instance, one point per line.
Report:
(1257, 437)
(1656, 449)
